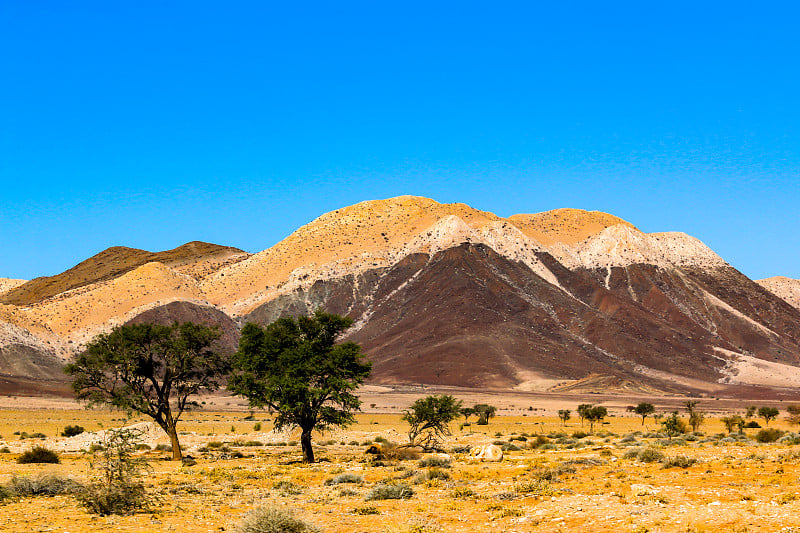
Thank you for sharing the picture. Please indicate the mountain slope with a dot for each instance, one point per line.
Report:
(444, 293)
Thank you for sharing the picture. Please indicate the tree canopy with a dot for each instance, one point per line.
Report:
(151, 369)
(296, 368)
(484, 412)
(429, 419)
(644, 410)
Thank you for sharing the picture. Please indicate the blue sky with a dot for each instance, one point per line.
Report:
(150, 124)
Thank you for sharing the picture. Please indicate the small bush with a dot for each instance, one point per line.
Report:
(257, 426)
(163, 448)
(752, 425)
(38, 454)
(366, 510)
(462, 492)
(769, 435)
(579, 435)
(5, 449)
(434, 461)
(539, 441)
(535, 487)
(43, 485)
(438, 473)
(646, 455)
(386, 491)
(650, 455)
(71, 431)
(253, 443)
(679, 461)
(287, 488)
(345, 478)
(270, 519)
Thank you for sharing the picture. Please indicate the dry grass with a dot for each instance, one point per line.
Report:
(575, 484)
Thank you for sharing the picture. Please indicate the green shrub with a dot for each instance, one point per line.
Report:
(579, 435)
(253, 443)
(269, 519)
(38, 454)
(5, 449)
(71, 431)
(163, 448)
(769, 435)
(387, 491)
(257, 426)
(345, 478)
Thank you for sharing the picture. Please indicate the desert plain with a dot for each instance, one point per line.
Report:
(623, 476)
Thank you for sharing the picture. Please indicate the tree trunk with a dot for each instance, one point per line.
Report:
(305, 443)
(168, 426)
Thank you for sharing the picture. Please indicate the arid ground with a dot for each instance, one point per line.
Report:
(552, 477)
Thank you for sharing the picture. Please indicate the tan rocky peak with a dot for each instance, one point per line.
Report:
(786, 288)
(6, 284)
(568, 226)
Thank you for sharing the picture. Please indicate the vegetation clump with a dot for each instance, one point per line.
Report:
(117, 487)
(71, 431)
(345, 478)
(769, 435)
(38, 454)
(270, 519)
(390, 491)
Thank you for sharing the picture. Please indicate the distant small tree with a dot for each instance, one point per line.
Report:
(732, 421)
(564, 415)
(690, 405)
(673, 425)
(751, 411)
(151, 369)
(768, 414)
(696, 419)
(794, 414)
(296, 368)
(467, 412)
(429, 420)
(484, 412)
(595, 414)
(644, 410)
(582, 409)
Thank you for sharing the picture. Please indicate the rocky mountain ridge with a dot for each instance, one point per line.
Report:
(444, 293)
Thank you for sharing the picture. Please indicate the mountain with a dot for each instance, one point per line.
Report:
(565, 300)
(786, 288)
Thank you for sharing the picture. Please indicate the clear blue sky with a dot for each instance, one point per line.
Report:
(150, 124)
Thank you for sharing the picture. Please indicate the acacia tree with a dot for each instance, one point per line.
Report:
(768, 413)
(644, 410)
(467, 412)
(564, 414)
(296, 369)
(429, 420)
(151, 369)
(595, 414)
(582, 410)
(484, 412)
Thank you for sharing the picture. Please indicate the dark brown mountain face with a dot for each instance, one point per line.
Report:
(468, 316)
(181, 312)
